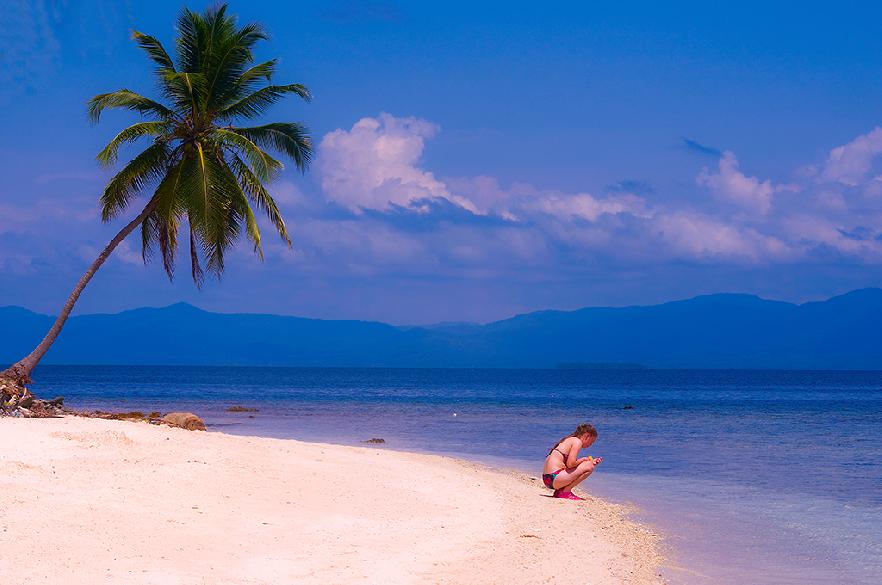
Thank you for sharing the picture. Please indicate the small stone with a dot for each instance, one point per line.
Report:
(376, 441)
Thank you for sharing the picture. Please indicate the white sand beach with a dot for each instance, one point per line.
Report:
(99, 501)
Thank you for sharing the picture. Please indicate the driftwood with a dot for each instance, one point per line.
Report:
(17, 401)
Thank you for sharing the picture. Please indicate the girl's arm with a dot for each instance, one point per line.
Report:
(573, 454)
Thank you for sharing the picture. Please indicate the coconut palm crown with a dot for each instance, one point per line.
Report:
(207, 170)
(203, 171)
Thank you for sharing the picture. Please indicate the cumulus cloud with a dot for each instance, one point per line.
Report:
(705, 238)
(382, 211)
(376, 170)
(850, 163)
(730, 184)
(584, 205)
(374, 165)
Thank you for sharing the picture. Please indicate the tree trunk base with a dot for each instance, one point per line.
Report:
(17, 401)
(17, 374)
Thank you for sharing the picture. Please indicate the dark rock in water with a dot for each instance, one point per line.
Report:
(58, 401)
(242, 409)
(184, 420)
(629, 407)
(375, 441)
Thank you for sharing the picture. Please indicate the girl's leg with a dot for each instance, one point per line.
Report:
(572, 476)
(578, 481)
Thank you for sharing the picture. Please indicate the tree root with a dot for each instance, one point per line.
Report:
(17, 401)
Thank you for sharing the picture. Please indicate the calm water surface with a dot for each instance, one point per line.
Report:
(755, 476)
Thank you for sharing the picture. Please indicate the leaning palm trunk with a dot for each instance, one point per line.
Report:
(20, 372)
(207, 172)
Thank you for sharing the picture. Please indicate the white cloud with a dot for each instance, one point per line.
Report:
(702, 237)
(585, 206)
(730, 184)
(375, 164)
(849, 164)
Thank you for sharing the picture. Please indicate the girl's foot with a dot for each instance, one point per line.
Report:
(569, 496)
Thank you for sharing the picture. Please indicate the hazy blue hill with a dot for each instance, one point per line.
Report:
(725, 331)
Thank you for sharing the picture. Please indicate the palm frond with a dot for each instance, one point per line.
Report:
(161, 226)
(264, 166)
(289, 138)
(208, 174)
(129, 100)
(241, 211)
(261, 198)
(230, 52)
(154, 50)
(261, 71)
(256, 103)
(188, 42)
(109, 153)
(195, 267)
(156, 230)
(185, 90)
(252, 229)
(209, 194)
(149, 165)
(246, 83)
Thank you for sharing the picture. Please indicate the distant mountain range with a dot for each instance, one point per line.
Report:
(714, 331)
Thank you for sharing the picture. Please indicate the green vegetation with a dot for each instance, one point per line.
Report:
(205, 171)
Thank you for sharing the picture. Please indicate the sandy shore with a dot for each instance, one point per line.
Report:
(96, 501)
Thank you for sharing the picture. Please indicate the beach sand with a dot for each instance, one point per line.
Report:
(98, 501)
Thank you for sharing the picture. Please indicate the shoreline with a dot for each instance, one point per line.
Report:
(123, 502)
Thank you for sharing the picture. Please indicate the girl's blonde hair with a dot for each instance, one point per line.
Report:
(580, 430)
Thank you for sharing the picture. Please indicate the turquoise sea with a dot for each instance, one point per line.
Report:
(761, 477)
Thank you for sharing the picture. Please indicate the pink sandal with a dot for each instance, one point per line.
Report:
(567, 496)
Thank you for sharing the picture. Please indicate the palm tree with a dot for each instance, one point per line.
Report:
(205, 171)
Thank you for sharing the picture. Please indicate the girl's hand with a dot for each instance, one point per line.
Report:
(598, 460)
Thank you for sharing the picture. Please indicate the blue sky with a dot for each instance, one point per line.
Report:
(479, 159)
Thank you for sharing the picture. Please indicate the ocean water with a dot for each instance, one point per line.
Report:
(760, 477)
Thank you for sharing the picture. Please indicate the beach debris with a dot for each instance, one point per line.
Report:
(375, 441)
(17, 401)
(238, 408)
(131, 416)
(184, 420)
